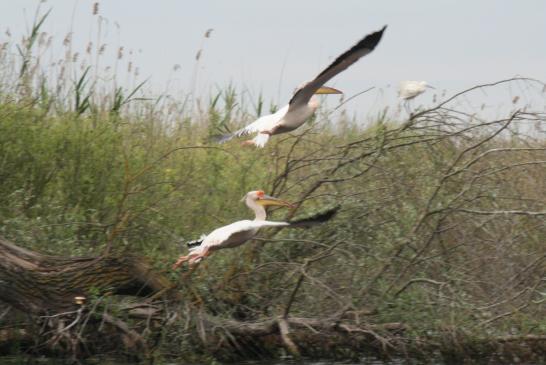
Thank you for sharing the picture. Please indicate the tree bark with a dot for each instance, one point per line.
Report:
(42, 284)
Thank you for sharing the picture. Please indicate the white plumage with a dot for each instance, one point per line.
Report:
(221, 235)
(265, 123)
(410, 89)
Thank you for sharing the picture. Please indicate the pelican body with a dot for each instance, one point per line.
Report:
(304, 103)
(235, 234)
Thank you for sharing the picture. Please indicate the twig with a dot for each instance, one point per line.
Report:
(349, 99)
(284, 329)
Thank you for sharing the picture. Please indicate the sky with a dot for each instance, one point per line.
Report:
(270, 47)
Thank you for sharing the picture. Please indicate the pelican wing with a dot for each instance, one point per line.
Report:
(315, 219)
(265, 123)
(264, 224)
(362, 48)
(222, 235)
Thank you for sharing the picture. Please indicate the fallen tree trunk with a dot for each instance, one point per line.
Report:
(233, 340)
(42, 284)
(60, 297)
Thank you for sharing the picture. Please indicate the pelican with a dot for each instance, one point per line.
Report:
(304, 102)
(235, 234)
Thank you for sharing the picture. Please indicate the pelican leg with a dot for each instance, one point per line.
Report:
(250, 142)
(197, 258)
(183, 259)
(193, 264)
(180, 261)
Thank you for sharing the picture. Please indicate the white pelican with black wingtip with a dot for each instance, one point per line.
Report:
(304, 103)
(236, 234)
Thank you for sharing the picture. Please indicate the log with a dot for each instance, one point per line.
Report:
(40, 284)
(326, 325)
(308, 337)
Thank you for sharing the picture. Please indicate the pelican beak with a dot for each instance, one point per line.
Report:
(266, 200)
(431, 87)
(328, 90)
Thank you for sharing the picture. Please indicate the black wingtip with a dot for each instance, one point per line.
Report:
(221, 138)
(318, 218)
(194, 242)
(371, 40)
(368, 42)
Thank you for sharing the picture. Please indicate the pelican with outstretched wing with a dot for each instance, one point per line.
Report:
(235, 234)
(304, 102)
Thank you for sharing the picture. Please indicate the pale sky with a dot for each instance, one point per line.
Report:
(273, 46)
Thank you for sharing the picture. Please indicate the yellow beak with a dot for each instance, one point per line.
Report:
(328, 90)
(269, 200)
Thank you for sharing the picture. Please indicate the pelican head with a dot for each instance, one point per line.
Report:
(259, 197)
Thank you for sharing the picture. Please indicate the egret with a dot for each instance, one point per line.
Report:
(235, 234)
(304, 103)
(410, 89)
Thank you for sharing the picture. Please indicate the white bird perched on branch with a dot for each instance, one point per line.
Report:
(304, 102)
(235, 234)
(410, 89)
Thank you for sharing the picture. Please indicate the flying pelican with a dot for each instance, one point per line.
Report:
(410, 89)
(235, 234)
(304, 102)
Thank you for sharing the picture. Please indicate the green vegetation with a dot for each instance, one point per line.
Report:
(442, 226)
